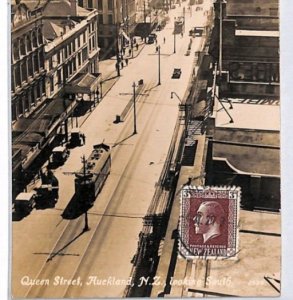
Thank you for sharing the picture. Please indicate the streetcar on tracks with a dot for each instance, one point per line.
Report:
(90, 179)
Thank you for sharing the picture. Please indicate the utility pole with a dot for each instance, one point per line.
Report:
(221, 39)
(134, 109)
(86, 225)
(159, 56)
(117, 50)
(174, 38)
(144, 12)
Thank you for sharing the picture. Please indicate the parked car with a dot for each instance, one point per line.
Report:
(76, 137)
(59, 156)
(176, 73)
(25, 202)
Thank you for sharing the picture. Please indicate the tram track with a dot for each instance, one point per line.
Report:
(69, 231)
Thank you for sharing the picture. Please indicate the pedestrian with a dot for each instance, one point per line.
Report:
(123, 51)
(136, 47)
(122, 65)
(126, 60)
(129, 52)
(156, 42)
(157, 49)
(134, 40)
(164, 40)
(181, 34)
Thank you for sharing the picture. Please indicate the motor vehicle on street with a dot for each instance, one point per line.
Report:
(76, 137)
(176, 73)
(24, 202)
(58, 156)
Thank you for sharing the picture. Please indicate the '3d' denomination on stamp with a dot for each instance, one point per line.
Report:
(209, 222)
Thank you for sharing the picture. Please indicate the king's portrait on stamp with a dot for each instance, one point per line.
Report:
(208, 223)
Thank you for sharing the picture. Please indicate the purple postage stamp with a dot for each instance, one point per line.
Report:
(208, 226)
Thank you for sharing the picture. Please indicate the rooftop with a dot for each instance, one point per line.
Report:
(256, 114)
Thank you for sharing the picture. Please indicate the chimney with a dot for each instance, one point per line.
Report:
(73, 10)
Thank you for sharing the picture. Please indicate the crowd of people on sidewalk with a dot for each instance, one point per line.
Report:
(127, 52)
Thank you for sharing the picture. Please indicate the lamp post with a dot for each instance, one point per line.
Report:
(185, 109)
(174, 35)
(159, 64)
(134, 109)
(117, 50)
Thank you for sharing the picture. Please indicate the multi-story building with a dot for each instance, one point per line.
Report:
(55, 57)
(71, 34)
(27, 60)
(117, 20)
(109, 20)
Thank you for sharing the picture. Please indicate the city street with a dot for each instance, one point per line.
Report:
(53, 247)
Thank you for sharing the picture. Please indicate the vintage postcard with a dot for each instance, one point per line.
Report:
(145, 148)
(209, 222)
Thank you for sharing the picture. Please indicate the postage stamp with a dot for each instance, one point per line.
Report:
(208, 226)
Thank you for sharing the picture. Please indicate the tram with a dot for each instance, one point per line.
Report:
(90, 179)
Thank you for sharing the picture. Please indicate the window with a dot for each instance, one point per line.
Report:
(84, 54)
(65, 52)
(34, 38)
(79, 59)
(23, 72)
(22, 47)
(16, 50)
(28, 43)
(40, 37)
(20, 107)
(13, 112)
(80, 3)
(30, 66)
(36, 63)
(41, 60)
(78, 41)
(110, 4)
(73, 46)
(17, 75)
(110, 19)
(84, 37)
(51, 84)
(90, 3)
(59, 77)
(59, 57)
(100, 4)
(100, 19)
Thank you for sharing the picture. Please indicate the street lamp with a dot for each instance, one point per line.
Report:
(185, 110)
(134, 109)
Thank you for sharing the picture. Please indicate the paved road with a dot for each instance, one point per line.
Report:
(105, 252)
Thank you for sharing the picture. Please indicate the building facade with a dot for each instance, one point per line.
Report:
(71, 34)
(27, 60)
(52, 54)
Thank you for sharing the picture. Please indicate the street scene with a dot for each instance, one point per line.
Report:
(117, 107)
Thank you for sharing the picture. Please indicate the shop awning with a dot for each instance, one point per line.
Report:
(85, 84)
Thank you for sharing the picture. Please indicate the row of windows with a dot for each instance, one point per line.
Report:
(26, 44)
(90, 4)
(23, 70)
(110, 19)
(68, 70)
(25, 102)
(260, 72)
